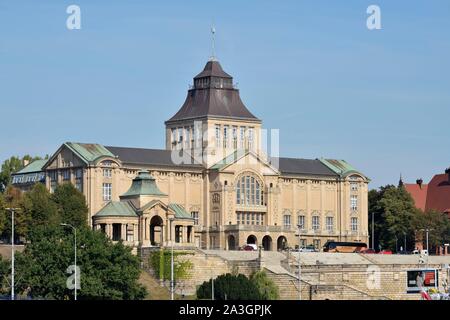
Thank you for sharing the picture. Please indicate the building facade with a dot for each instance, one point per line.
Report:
(214, 186)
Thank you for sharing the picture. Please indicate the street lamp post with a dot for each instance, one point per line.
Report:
(299, 267)
(404, 233)
(12, 210)
(171, 263)
(373, 231)
(75, 250)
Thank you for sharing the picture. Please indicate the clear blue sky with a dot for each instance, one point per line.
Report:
(378, 99)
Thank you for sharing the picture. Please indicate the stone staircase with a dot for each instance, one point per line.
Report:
(288, 289)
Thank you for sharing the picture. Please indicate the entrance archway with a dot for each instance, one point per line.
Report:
(267, 243)
(251, 239)
(231, 242)
(156, 231)
(281, 243)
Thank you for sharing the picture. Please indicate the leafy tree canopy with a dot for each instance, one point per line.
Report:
(71, 205)
(107, 270)
(229, 287)
(268, 290)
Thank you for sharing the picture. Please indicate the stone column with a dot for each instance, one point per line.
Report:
(135, 232)
(109, 231)
(147, 230)
(123, 231)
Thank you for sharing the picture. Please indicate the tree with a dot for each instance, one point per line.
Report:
(3, 215)
(395, 214)
(107, 270)
(160, 261)
(12, 198)
(438, 225)
(38, 205)
(4, 274)
(266, 287)
(71, 205)
(11, 166)
(229, 287)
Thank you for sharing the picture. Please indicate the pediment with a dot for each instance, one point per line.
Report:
(249, 160)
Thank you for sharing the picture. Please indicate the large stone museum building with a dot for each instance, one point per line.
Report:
(213, 186)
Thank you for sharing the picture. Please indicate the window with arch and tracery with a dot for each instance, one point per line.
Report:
(249, 191)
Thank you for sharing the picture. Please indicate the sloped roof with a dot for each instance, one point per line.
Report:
(89, 152)
(211, 101)
(303, 166)
(117, 209)
(180, 211)
(213, 69)
(143, 184)
(438, 195)
(341, 167)
(147, 156)
(35, 166)
(418, 193)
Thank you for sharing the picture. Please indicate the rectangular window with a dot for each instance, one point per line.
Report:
(287, 220)
(354, 224)
(315, 223)
(66, 175)
(194, 215)
(174, 135)
(234, 137)
(301, 222)
(329, 223)
(53, 176)
(188, 138)
(79, 179)
(250, 138)
(180, 137)
(247, 215)
(217, 135)
(130, 233)
(242, 138)
(107, 173)
(253, 218)
(353, 202)
(107, 191)
(225, 136)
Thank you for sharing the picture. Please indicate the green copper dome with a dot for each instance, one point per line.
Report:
(143, 185)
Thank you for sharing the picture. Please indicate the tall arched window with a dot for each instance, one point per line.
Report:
(249, 191)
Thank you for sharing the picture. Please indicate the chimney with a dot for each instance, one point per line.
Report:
(419, 182)
(447, 172)
(26, 162)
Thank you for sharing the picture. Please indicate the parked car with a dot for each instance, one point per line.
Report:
(309, 248)
(250, 247)
(423, 252)
(385, 252)
(369, 251)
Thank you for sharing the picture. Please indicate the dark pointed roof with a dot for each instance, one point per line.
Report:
(213, 95)
(213, 69)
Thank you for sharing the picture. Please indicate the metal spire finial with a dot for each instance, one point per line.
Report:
(213, 39)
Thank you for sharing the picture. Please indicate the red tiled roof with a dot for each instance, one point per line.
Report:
(432, 196)
(439, 193)
(418, 193)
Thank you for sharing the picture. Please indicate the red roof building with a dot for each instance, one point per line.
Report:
(432, 196)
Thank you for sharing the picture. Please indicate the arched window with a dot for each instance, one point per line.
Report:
(249, 191)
